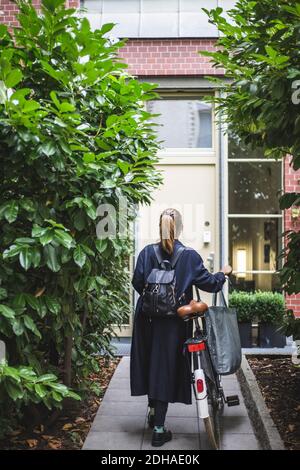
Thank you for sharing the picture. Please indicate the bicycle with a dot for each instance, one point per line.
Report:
(208, 391)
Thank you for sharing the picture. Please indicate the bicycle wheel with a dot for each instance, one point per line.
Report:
(210, 431)
(212, 423)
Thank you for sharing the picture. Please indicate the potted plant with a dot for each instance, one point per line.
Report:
(242, 302)
(269, 309)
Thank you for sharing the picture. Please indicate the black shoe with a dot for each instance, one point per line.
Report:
(150, 420)
(159, 438)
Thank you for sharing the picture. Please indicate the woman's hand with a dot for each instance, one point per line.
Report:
(227, 270)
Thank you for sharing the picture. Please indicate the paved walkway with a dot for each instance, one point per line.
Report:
(121, 421)
(123, 345)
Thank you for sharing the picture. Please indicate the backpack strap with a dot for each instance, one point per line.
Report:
(174, 258)
(157, 253)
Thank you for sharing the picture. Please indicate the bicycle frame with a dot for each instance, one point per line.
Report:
(208, 391)
(201, 369)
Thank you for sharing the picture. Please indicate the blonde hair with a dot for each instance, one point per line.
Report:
(170, 227)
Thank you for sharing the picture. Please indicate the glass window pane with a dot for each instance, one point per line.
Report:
(253, 187)
(237, 149)
(183, 123)
(254, 244)
(260, 281)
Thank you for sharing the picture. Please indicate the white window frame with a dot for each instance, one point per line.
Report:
(173, 155)
(229, 215)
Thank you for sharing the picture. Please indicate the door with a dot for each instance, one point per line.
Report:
(189, 165)
(191, 189)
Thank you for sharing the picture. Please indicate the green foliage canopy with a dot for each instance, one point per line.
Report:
(259, 50)
(74, 134)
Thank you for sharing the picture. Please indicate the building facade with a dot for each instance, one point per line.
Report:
(226, 192)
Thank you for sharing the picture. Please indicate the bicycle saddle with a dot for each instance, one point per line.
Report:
(192, 308)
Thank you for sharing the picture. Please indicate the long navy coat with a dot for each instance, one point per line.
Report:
(157, 365)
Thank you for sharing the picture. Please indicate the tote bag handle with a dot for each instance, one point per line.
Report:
(223, 300)
(215, 294)
(198, 294)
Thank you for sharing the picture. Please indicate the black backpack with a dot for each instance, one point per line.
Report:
(159, 294)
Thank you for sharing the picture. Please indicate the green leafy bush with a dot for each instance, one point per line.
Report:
(242, 301)
(23, 385)
(269, 307)
(266, 307)
(74, 134)
(260, 98)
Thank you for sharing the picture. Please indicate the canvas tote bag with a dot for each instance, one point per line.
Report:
(223, 336)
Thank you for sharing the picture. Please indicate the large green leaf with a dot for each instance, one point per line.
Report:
(12, 372)
(29, 323)
(60, 388)
(107, 184)
(18, 327)
(48, 148)
(30, 106)
(53, 304)
(79, 256)
(11, 211)
(57, 396)
(14, 390)
(25, 257)
(64, 238)
(38, 231)
(50, 254)
(7, 311)
(101, 244)
(40, 390)
(12, 251)
(27, 373)
(32, 301)
(47, 237)
(47, 378)
(36, 256)
(13, 78)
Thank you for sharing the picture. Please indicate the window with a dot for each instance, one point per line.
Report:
(254, 217)
(253, 187)
(183, 123)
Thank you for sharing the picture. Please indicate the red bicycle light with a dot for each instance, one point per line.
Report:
(196, 347)
(200, 386)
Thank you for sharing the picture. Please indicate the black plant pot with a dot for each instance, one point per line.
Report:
(269, 337)
(245, 329)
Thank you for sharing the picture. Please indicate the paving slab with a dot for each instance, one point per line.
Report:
(123, 408)
(112, 441)
(115, 394)
(128, 424)
(121, 421)
(180, 409)
(239, 441)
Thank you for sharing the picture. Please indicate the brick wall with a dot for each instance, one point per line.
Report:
(8, 10)
(168, 57)
(292, 184)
